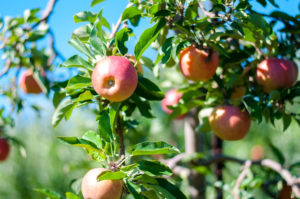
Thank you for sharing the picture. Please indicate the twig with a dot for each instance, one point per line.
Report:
(284, 173)
(6, 67)
(117, 26)
(54, 49)
(209, 14)
(47, 12)
(236, 192)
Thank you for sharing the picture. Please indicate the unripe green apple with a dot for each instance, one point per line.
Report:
(274, 73)
(197, 65)
(4, 149)
(28, 84)
(91, 188)
(172, 97)
(114, 78)
(229, 122)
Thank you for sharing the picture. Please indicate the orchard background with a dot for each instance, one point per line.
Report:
(178, 158)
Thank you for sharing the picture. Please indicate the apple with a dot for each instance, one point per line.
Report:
(114, 78)
(274, 73)
(91, 188)
(198, 65)
(257, 153)
(238, 93)
(28, 84)
(172, 97)
(229, 122)
(4, 149)
(138, 65)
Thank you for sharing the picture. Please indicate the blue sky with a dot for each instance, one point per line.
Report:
(62, 23)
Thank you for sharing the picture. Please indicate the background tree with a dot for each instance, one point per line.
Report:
(235, 65)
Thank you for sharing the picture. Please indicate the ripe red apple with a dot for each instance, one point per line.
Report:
(257, 153)
(172, 97)
(229, 122)
(28, 84)
(4, 149)
(138, 65)
(114, 78)
(274, 73)
(105, 189)
(197, 65)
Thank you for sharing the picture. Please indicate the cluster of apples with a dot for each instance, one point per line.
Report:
(229, 122)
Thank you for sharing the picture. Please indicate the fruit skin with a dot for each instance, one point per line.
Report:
(172, 97)
(105, 189)
(194, 65)
(257, 153)
(274, 73)
(114, 78)
(139, 67)
(4, 149)
(229, 122)
(28, 84)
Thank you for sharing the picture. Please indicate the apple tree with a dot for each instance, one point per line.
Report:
(236, 66)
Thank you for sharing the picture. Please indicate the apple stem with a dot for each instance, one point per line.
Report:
(217, 145)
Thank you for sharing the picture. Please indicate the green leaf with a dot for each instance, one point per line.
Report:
(282, 15)
(154, 168)
(49, 193)
(77, 61)
(113, 114)
(76, 43)
(129, 167)
(150, 148)
(148, 90)
(111, 175)
(130, 13)
(104, 126)
(57, 98)
(78, 82)
(121, 37)
(39, 33)
(171, 188)
(134, 189)
(93, 137)
(85, 16)
(277, 152)
(95, 2)
(70, 195)
(273, 3)
(144, 178)
(96, 153)
(86, 95)
(286, 119)
(167, 50)
(162, 191)
(147, 37)
(97, 39)
(143, 106)
(61, 110)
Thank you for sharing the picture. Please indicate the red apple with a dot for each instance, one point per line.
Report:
(172, 97)
(229, 122)
(28, 84)
(286, 192)
(91, 188)
(274, 73)
(114, 78)
(197, 65)
(257, 153)
(4, 149)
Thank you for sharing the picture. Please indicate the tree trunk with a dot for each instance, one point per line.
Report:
(193, 144)
(217, 146)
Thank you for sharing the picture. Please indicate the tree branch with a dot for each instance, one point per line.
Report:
(236, 191)
(47, 12)
(268, 163)
(6, 67)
